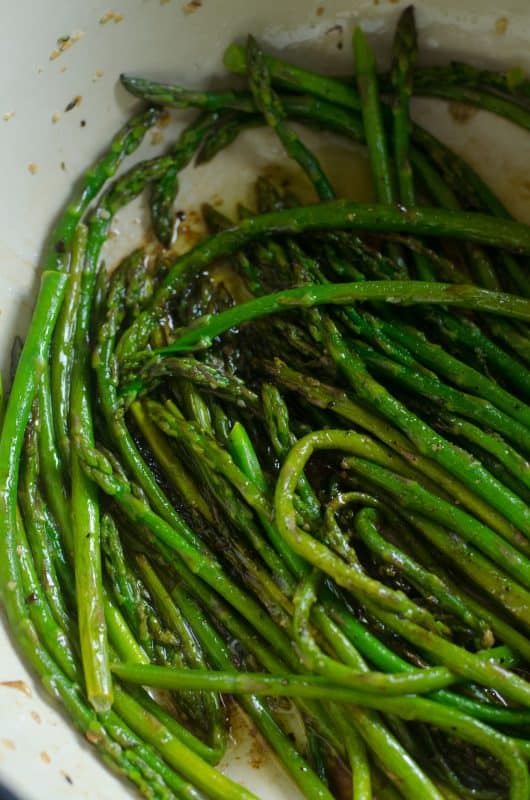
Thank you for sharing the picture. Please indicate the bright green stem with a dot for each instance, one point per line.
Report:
(270, 105)
(346, 215)
(201, 333)
(366, 76)
(62, 351)
(85, 502)
(503, 747)
(175, 753)
(32, 359)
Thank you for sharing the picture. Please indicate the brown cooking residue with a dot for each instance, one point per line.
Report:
(461, 112)
(257, 754)
(110, 16)
(36, 717)
(164, 119)
(9, 744)
(320, 10)
(45, 757)
(20, 686)
(65, 43)
(93, 737)
(33, 168)
(525, 188)
(74, 102)
(192, 6)
(501, 26)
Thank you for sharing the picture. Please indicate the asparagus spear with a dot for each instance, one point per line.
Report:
(85, 503)
(372, 118)
(511, 81)
(270, 106)
(404, 54)
(165, 189)
(410, 708)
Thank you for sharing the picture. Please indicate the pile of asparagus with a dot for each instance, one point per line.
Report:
(289, 468)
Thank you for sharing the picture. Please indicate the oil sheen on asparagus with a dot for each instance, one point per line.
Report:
(289, 469)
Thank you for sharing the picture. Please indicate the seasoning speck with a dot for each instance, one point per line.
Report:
(20, 686)
(461, 112)
(73, 103)
(320, 11)
(257, 754)
(8, 115)
(65, 43)
(98, 74)
(83, 123)
(45, 757)
(9, 744)
(35, 716)
(33, 168)
(157, 137)
(67, 778)
(63, 166)
(192, 6)
(110, 16)
(56, 116)
(501, 26)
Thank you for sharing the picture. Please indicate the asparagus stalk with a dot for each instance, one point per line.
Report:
(365, 73)
(165, 189)
(504, 748)
(85, 502)
(511, 81)
(270, 106)
(343, 215)
(63, 345)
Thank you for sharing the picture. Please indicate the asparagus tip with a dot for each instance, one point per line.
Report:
(234, 58)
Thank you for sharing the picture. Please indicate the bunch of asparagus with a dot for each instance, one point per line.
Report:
(341, 531)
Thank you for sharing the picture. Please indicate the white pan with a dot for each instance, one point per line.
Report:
(43, 150)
